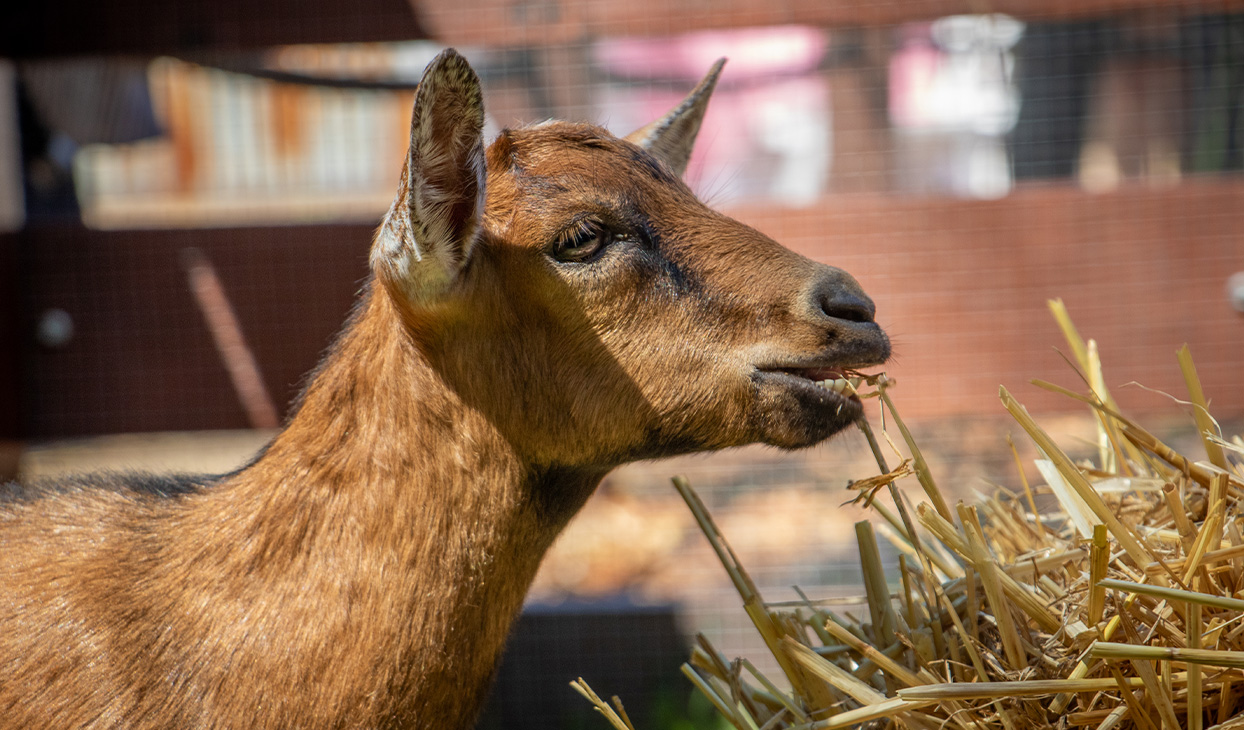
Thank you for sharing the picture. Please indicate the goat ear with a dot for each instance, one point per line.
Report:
(428, 233)
(671, 137)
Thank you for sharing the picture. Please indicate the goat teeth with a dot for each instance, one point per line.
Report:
(839, 385)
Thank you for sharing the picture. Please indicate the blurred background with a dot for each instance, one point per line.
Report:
(188, 190)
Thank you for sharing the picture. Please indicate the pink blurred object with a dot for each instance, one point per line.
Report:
(766, 135)
(913, 71)
(753, 52)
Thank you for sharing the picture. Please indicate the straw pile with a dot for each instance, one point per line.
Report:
(1113, 608)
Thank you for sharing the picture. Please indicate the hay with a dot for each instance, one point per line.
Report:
(1115, 610)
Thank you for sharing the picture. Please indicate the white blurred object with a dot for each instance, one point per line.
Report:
(1235, 290)
(55, 328)
(794, 131)
(952, 100)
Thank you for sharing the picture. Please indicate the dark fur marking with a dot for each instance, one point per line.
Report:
(592, 138)
(671, 278)
(558, 492)
(651, 165)
(660, 443)
(637, 155)
(160, 486)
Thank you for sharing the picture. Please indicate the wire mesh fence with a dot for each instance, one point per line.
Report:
(964, 167)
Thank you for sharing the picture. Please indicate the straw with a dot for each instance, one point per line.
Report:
(619, 722)
(1119, 608)
(1205, 424)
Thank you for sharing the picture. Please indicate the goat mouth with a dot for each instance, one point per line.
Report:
(829, 390)
(799, 405)
(842, 382)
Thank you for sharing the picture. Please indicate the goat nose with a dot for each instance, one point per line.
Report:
(838, 296)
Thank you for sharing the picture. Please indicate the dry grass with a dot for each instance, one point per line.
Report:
(1116, 608)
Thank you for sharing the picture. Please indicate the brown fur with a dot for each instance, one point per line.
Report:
(363, 572)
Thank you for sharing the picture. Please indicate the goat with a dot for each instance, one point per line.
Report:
(538, 313)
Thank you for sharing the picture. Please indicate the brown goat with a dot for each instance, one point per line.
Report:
(538, 314)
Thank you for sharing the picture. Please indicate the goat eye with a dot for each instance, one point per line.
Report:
(583, 243)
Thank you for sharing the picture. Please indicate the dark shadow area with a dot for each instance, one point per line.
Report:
(620, 649)
(76, 27)
(163, 372)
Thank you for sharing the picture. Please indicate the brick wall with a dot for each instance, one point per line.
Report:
(962, 287)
